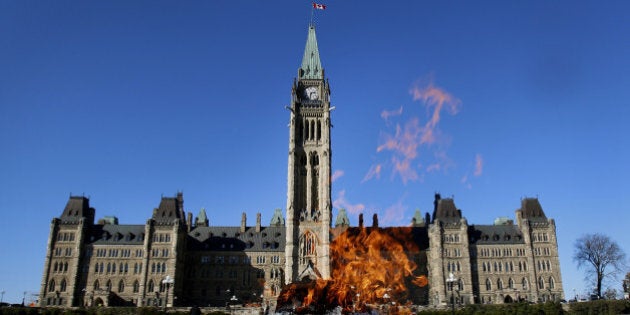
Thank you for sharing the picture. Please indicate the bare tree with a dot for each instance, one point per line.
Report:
(601, 257)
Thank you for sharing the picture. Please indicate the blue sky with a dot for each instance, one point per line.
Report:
(127, 101)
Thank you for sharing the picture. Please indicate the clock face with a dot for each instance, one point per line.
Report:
(311, 93)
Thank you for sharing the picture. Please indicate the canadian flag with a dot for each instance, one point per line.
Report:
(319, 6)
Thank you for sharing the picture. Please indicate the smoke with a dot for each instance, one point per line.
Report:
(408, 139)
(336, 175)
(394, 214)
(478, 165)
(342, 203)
(437, 99)
(386, 114)
(374, 171)
(478, 170)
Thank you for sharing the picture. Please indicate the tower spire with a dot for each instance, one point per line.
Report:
(311, 65)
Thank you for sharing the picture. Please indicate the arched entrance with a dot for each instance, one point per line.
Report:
(99, 302)
(508, 299)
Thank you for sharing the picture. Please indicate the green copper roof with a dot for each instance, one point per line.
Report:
(311, 65)
(202, 218)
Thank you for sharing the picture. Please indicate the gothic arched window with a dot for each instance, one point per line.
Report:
(488, 285)
(308, 245)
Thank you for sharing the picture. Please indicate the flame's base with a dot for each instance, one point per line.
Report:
(292, 296)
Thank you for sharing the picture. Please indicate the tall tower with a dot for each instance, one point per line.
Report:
(308, 177)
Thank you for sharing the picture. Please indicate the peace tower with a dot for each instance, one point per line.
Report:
(308, 175)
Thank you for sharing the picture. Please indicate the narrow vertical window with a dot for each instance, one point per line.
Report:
(319, 129)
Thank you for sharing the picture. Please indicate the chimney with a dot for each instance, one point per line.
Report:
(243, 222)
(258, 222)
(189, 221)
(360, 220)
(375, 221)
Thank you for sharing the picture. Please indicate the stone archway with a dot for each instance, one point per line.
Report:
(99, 302)
(508, 299)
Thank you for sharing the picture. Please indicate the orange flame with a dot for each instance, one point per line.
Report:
(371, 267)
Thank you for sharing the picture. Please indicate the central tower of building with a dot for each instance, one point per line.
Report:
(308, 178)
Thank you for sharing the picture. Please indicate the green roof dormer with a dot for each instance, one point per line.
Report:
(311, 65)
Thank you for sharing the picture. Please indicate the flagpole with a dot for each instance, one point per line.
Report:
(312, 11)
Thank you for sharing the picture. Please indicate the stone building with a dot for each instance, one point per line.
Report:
(498, 263)
(175, 260)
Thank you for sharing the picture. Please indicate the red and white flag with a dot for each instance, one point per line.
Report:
(319, 6)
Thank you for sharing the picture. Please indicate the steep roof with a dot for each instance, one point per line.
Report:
(311, 67)
(445, 210)
(230, 238)
(113, 234)
(342, 218)
(202, 218)
(532, 210)
(277, 219)
(170, 208)
(494, 234)
(77, 208)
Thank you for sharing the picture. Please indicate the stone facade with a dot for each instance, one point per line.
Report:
(175, 260)
(498, 263)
